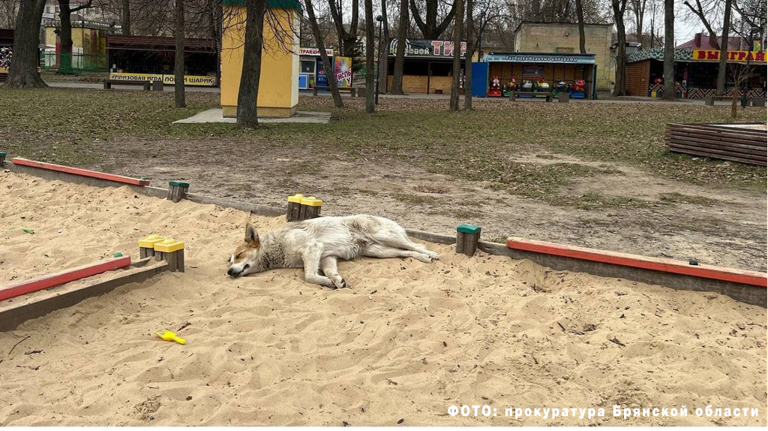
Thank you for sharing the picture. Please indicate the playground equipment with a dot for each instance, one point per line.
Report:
(495, 90)
(577, 89)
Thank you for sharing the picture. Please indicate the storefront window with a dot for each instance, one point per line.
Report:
(308, 66)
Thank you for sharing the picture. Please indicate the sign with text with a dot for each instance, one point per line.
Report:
(314, 52)
(427, 48)
(192, 80)
(733, 56)
(540, 58)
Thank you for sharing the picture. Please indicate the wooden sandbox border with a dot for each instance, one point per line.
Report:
(744, 286)
(12, 315)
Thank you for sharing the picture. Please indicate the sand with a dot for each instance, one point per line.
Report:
(406, 342)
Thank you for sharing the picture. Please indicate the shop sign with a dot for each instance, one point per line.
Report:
(314, 52)
(190, 80)
(733, 56)
(539, 58)
(427, 48)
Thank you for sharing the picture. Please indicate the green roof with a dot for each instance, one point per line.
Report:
(274, 4)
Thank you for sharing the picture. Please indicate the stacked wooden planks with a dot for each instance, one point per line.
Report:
(744, 143)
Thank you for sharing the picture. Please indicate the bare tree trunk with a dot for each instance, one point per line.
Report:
(248, 95)
(323, 55)
(429, 26)
(26, 55)
(402, 31)
(722, 68)
(470, 36)
(126, 18)
(178, 68)
(65, 15)
(384, 50)
(65, 34)
(669, 50)
(370, 91)
(620, 85)
(457, 24)
(582, 36)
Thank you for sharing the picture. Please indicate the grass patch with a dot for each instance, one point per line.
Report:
(679, 198)
(69, 126)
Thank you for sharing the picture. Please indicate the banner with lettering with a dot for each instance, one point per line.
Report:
(343, 71)
(733, 56)
(427, 48)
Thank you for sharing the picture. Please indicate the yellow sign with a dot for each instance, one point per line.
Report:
(193, 80)
(733, 56)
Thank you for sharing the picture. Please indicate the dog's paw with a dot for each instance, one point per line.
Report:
(433, 255)
(423, 258)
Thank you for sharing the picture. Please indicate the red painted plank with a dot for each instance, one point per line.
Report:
(50, 280)
(81, 172)
(656, 264)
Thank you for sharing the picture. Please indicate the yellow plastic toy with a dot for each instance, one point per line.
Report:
(167, 335)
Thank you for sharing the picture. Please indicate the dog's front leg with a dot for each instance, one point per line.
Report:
(311, 258)
(331, 270)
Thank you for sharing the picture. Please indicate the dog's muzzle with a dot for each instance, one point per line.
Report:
(232, 272)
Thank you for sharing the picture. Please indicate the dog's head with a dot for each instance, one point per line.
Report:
(246, 257)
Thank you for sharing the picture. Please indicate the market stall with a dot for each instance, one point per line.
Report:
(143, 58)
(311, 72)
(428, 66)
(695, 73)
(6, 52)
(503, 72)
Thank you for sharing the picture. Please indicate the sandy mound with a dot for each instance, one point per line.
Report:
(408, 341)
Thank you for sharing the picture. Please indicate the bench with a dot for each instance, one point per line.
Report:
(153, 85)
(710, 100)
(756, 101)
(352, 91)
(515, 94)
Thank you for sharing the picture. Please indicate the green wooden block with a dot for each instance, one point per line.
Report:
(468, 228)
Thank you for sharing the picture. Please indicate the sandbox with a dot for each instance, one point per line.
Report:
(405, 343)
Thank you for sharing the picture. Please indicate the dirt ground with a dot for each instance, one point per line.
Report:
(407, 341)
(661, 217)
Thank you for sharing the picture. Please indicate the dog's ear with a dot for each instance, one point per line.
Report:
(251, 236)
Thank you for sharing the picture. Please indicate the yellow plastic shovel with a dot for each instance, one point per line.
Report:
(167, 335)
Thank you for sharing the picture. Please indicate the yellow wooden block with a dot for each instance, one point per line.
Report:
(295, 198)
(169, 245)
(150, 241)
(312, 202)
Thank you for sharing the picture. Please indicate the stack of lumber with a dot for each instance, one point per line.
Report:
(744, 143)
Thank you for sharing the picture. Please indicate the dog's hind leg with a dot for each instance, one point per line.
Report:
(383, 251)
(329, 268)
(311, 258)
(401, 240)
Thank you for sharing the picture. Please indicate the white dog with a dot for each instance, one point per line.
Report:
(316, 245)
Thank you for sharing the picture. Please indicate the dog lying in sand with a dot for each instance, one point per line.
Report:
(318, 243)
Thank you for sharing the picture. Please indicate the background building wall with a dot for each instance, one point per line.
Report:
(564, 39)
(278, 82)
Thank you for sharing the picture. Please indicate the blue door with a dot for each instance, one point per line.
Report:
(480, 79)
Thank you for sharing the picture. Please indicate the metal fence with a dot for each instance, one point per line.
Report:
(73, 63)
